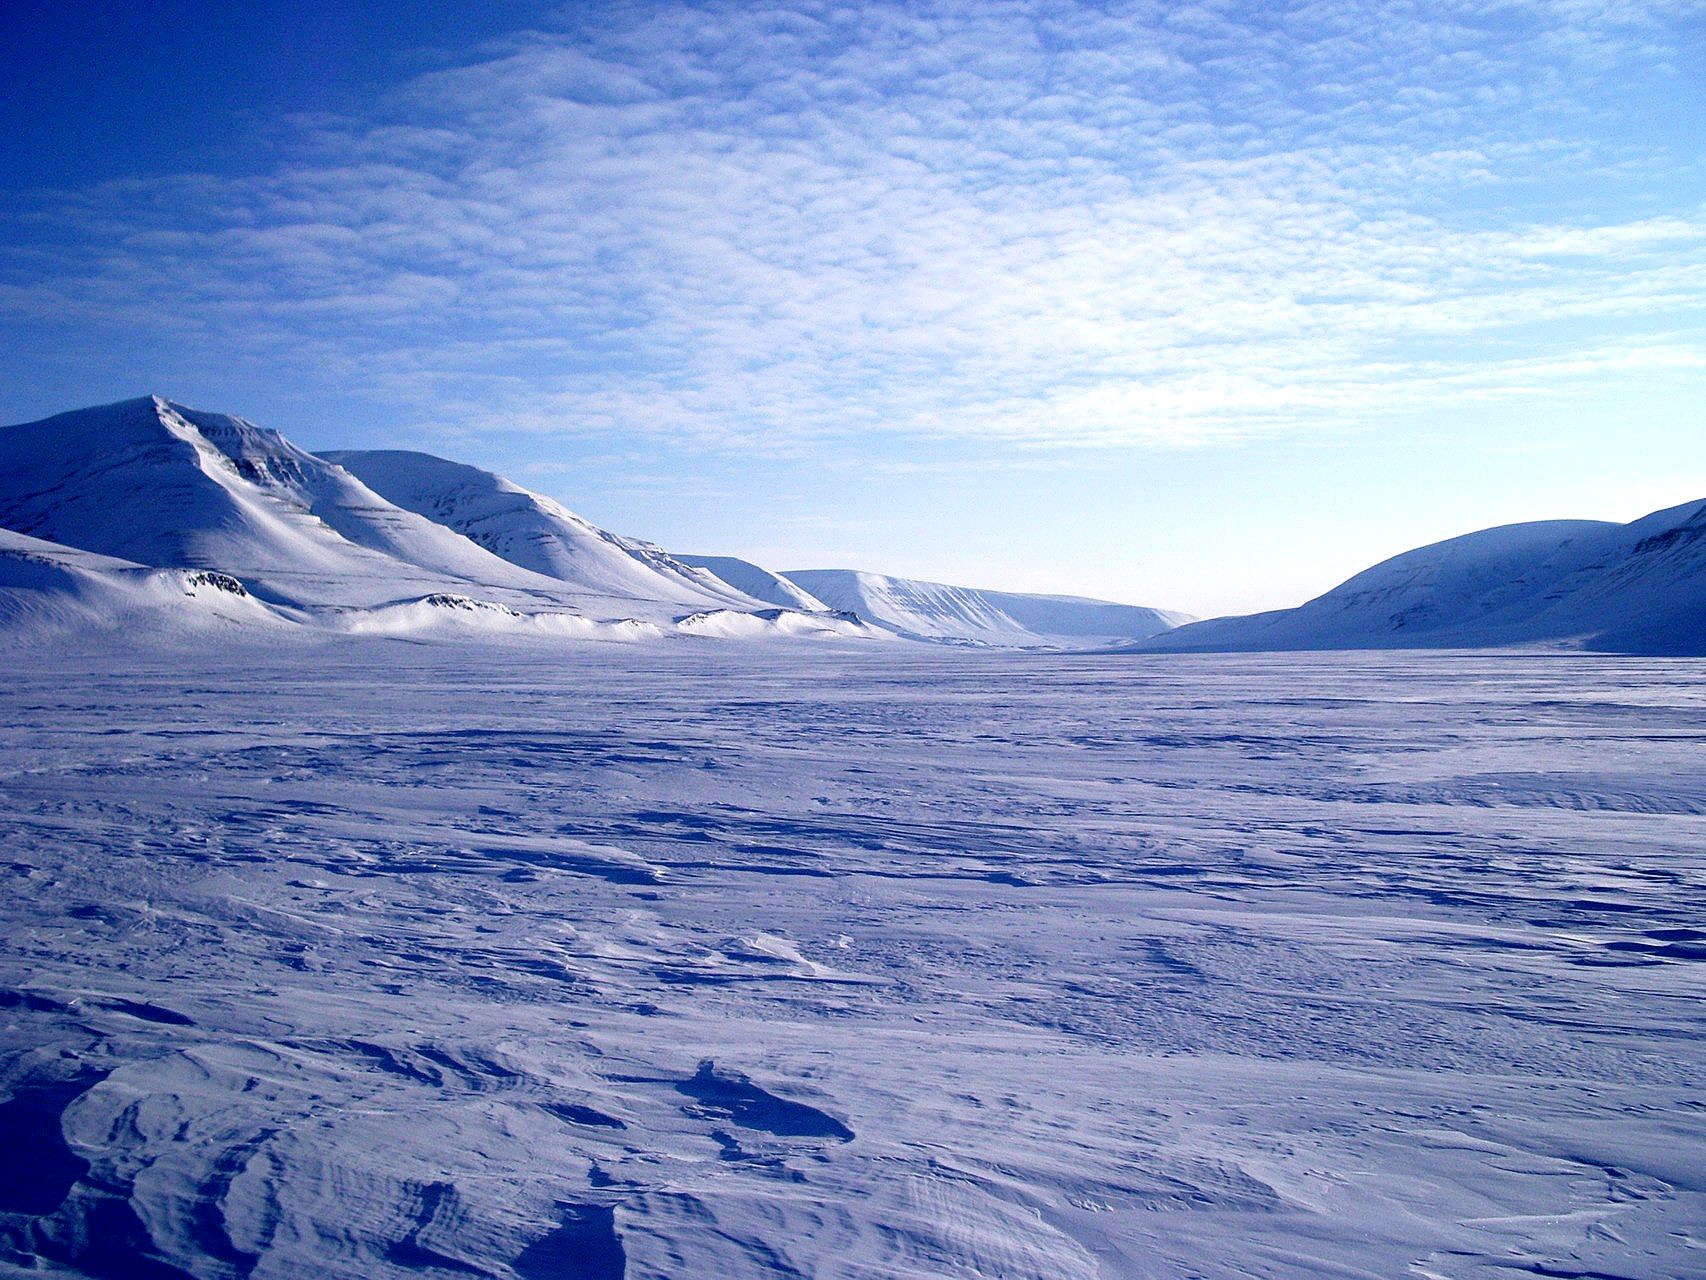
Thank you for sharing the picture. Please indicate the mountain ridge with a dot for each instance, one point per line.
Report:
(120, 502)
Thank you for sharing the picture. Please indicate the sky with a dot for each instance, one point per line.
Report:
(1196, 305)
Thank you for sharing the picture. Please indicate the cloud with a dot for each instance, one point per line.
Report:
(758, 227)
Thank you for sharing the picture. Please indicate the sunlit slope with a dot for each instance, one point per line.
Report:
(937, 611)
(1639, 587)
(533, 531)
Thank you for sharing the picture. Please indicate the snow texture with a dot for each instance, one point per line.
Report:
(353, 957)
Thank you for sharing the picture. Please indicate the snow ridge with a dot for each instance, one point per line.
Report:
(533, 531)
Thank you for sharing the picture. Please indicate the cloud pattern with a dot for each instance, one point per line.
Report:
(1023, 223)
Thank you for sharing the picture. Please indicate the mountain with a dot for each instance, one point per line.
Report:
(148, 512)
(756, 581)
(159, 484)
(534, 532)
(1637, 587)
(966, 615)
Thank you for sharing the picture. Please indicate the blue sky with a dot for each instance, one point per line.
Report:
(1198, 305)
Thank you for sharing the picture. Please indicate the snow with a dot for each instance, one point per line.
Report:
(350, 956)
(533, 531)
(153, 482)
(47, 589)
(377, 541)
(432, 548)
(1638, 588)
(734, 623)
(758, 582)
(409, 878)
(937, 611)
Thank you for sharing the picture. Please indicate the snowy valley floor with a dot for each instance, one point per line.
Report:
(704, 961)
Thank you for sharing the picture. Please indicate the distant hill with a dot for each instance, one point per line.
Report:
(152, 514)
(757, 581)
(937, 611)
(1634, 588)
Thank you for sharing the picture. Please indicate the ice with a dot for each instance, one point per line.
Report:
(357, 957)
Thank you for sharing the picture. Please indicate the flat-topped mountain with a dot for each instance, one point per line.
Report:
(938, 611)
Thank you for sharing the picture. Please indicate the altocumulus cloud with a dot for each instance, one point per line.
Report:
(1042, 223)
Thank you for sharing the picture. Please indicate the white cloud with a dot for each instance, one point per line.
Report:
(1135, 224)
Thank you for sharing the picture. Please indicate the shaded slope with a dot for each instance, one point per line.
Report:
(156, 483)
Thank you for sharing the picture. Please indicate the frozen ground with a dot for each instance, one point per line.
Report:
(698, 961)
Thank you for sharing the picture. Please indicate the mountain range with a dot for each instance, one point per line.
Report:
(149, 514)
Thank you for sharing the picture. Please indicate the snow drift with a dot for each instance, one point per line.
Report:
(50, 588)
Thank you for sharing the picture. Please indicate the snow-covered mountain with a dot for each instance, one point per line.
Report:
(534, 532)
(967, 615)
(158, 484)
(757, 581)
(1639, 587)
(149, 512)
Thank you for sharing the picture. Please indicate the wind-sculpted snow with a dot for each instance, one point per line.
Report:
(47, 590)
(371, 959)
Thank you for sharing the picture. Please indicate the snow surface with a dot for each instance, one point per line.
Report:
(354, 957)
(937, 611)
(47, 589)
(1638, 588)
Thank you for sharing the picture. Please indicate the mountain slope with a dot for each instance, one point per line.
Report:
(1639, 587)
(48, 587)
(756, 581)
(937, 611)
(532, 531)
